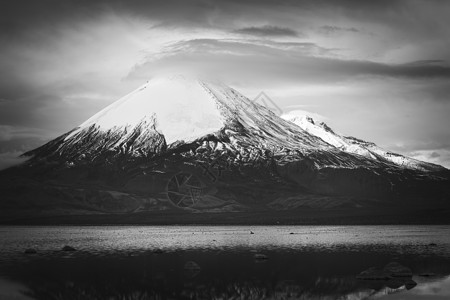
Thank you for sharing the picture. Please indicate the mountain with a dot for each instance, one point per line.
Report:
(178, 149)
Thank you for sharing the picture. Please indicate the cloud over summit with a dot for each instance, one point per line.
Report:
(268, 30)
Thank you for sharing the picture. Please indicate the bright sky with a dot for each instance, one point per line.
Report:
(376, 70)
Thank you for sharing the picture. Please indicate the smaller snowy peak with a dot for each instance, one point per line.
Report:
(357, 146)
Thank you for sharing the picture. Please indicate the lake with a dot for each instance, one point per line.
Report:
(223, 262)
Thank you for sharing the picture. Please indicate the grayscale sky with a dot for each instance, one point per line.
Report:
(376, 70)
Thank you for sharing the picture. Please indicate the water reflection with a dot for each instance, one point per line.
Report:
(222, 262)
(161, 287)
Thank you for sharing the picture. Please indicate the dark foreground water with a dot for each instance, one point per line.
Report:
(215, 262)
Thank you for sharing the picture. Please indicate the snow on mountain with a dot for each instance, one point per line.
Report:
(178, 106)
(356, 146)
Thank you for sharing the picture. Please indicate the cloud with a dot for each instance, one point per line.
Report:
(61, 71)
(8, 132)
(275, 62)
(268, 30)
(10, 159)
(328, 29)
(436, 156)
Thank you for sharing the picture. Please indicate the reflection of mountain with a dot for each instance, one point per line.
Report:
(245, 157)
(233, 290)
(164, 276)
(157, 288)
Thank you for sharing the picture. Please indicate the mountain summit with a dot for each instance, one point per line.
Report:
(180, 144)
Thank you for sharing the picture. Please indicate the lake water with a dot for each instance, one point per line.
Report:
(222, 262)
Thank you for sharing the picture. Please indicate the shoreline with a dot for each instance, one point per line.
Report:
(298, 218)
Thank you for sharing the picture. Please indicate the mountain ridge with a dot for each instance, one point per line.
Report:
(354, 145)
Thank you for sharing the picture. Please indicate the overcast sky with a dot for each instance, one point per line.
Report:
(376, 70)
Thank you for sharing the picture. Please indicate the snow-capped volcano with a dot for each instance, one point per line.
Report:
(168, 112)
(189, 115)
